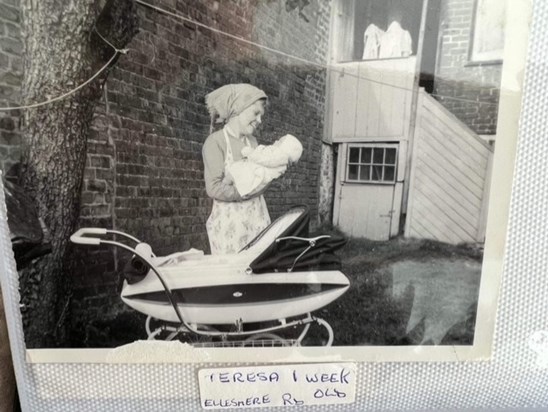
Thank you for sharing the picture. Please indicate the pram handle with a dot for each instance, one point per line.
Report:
(79, 236)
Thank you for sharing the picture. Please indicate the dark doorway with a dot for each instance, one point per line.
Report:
(430, 46)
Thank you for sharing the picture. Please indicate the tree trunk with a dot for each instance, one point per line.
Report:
(62, 51)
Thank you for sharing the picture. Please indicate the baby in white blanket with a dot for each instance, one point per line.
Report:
(263, 164)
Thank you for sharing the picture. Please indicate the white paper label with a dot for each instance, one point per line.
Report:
(279, 385)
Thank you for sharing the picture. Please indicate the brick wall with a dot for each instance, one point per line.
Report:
(10, 82)
(144, 170)
(478, 85)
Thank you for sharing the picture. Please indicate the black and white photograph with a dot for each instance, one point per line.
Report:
(253, 174)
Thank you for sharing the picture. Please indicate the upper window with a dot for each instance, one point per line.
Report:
(368, 29)
(487, 44)
(372, 163)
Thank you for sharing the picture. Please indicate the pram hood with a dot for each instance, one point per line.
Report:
(292, 251)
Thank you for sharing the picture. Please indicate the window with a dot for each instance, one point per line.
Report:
(372, 163)
(354, 16)
(487, 43)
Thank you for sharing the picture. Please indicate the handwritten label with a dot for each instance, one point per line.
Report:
(279, 385)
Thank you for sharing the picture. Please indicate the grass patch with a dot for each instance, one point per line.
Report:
(371, 314)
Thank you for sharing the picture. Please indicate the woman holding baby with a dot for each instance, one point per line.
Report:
(235, 219)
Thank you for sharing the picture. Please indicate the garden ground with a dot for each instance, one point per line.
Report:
(407, 292)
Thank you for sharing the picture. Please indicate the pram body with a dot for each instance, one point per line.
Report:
(281, 277)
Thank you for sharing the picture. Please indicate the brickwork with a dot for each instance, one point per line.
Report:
(144, 171)
(11, 70)
(327, 184)
(476, 84)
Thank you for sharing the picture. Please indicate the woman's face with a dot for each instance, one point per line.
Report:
(250, 119)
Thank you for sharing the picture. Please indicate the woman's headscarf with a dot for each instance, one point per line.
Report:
(230, 100)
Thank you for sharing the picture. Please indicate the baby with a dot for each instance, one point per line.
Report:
(263, 164)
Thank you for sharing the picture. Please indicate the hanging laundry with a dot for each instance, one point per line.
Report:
(372, 42)
(395, 42)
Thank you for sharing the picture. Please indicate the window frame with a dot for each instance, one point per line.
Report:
(372, 146)
(475, 57)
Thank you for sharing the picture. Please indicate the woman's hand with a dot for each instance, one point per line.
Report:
(259, 190)
(228, 179)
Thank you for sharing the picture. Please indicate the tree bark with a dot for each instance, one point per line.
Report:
(61, 51)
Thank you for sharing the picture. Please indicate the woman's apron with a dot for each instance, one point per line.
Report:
(232, 225)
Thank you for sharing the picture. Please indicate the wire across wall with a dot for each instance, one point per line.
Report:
(177, 15)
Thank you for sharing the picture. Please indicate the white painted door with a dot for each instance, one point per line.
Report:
(370, 105)
(366, 210)
(367, 193)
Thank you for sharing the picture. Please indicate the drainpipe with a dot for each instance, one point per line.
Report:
(326, 184)
(414, 109)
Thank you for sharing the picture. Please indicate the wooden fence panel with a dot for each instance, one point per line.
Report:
(449, 168)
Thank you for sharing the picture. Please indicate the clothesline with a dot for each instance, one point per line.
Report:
(330, 68)
(72, 91)
(293, 57)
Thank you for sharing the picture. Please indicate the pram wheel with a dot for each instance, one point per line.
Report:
(316, 337)
(291, 333)
(269, 340)
(160, 330)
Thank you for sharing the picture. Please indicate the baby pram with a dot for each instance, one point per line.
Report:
(273, 284)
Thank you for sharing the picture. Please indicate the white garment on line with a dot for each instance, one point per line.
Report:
(395, 42)
(372, 42)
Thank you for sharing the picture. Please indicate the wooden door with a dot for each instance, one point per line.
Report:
(366, 211)
(367, 194)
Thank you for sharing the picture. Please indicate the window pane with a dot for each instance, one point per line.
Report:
(390, 157)
(377, 173)
(365, 172)
(353, 172)
(389, 173)
(366, 155)
(354, 155)
(378, 155)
